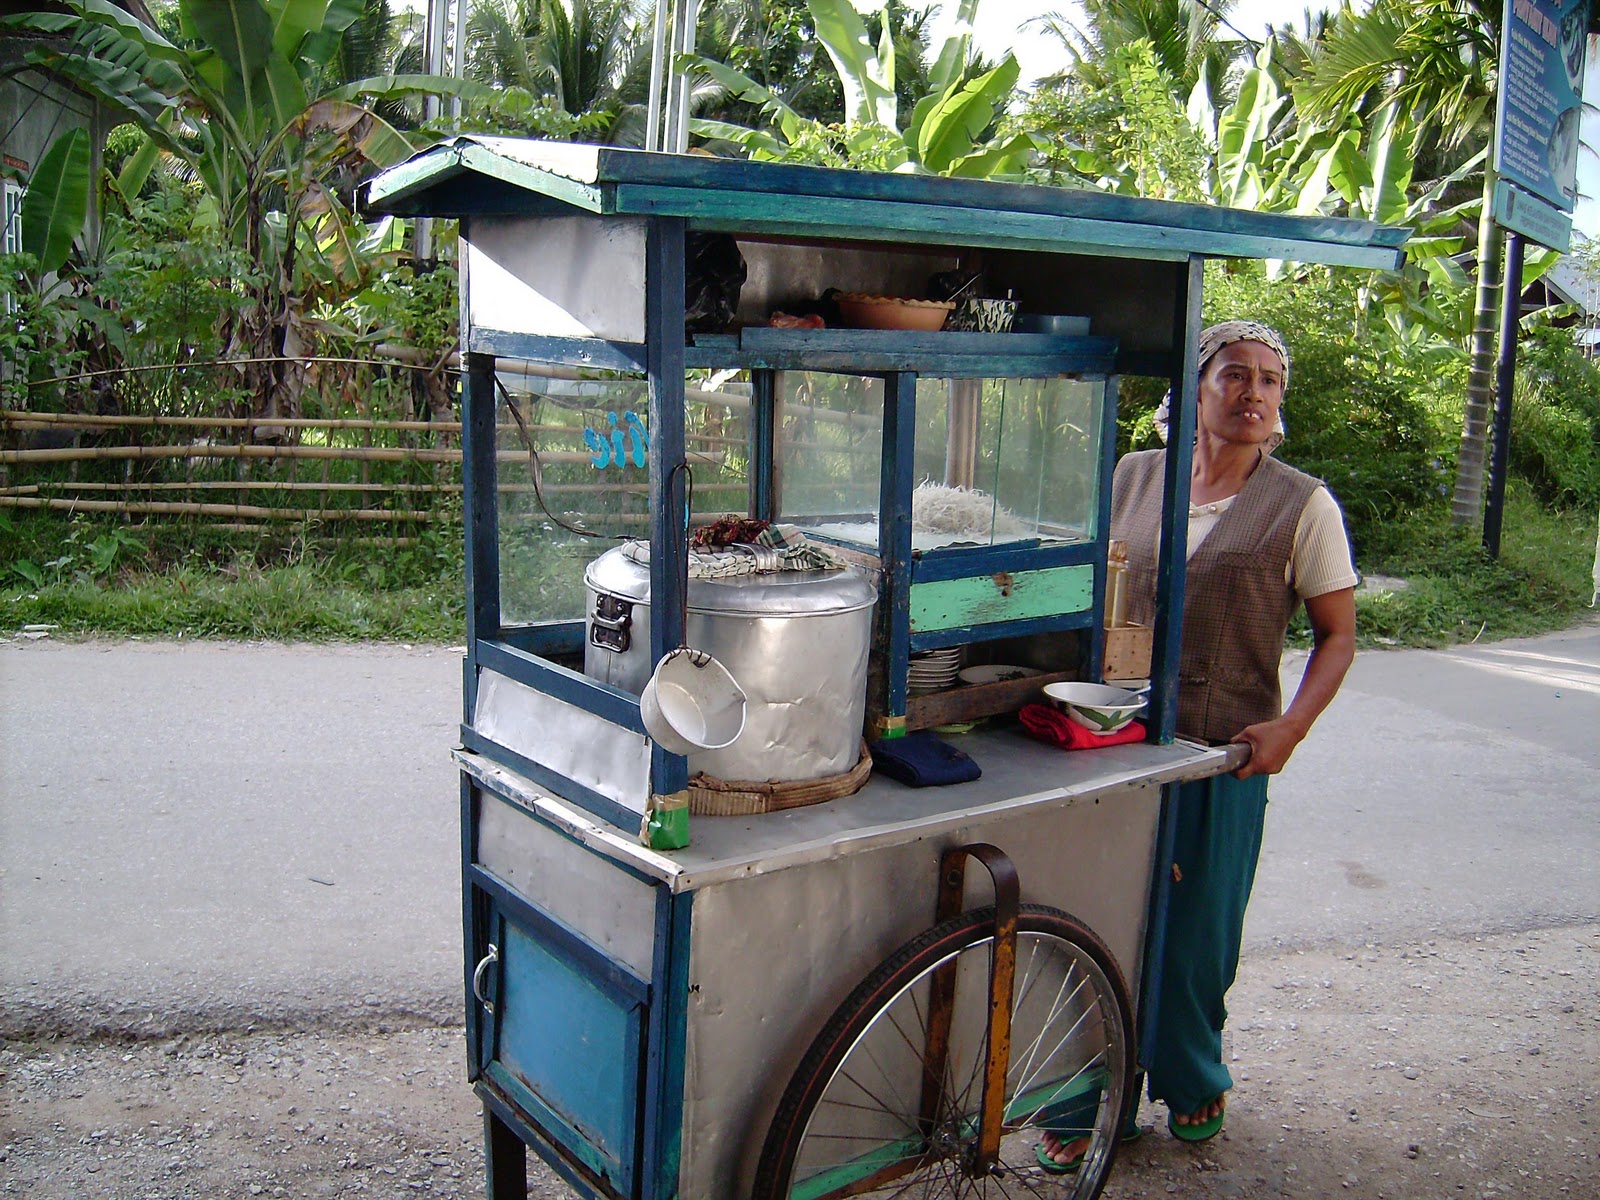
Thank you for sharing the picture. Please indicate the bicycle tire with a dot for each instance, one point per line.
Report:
(1050, 943)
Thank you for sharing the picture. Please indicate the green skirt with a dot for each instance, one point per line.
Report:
(1219, 823)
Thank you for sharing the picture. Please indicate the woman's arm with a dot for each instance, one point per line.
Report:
(1333, 631)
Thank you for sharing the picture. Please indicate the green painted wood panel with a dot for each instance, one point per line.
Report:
(882, 220)
(986, 599)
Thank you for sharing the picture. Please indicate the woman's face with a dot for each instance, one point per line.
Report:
(1241, 390)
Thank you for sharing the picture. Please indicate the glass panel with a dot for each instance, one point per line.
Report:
(1001, 460)
(829, 453)
(586, 442)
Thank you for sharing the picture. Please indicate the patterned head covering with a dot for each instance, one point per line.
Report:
(1225, 333)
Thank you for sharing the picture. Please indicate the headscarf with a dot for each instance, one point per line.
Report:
(1225, 333)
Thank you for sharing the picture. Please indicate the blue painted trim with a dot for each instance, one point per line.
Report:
(470, 927)
(939, 638)
(594, 353)
(554, 782)
(554, 1130)
(469, 686)
(763, 444)
(894, 533)
(669, 484)
(546, 1147)
(1155, 927)
(568, 686)
(935, 566)
(941, 363)
(1093, 355)
(1108, 467)
(481, 517)
(667, 1061)
(1174, 541)
(948, 224)
(546, 638)
(608, 974)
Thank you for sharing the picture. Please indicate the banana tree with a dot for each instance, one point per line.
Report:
(243, 106)
(950, 131)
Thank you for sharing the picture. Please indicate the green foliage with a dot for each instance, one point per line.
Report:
(56, 204)
(1455, 593)
(1555, 423)
(175, 580)
(956, 130)
(35, 337)
(245, 103)
(1356, 413)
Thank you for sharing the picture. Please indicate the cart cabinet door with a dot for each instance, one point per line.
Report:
(566, 1043)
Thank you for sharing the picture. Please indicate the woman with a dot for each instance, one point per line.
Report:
(1263, 538)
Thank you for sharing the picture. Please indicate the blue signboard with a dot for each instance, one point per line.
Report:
(1541, 97)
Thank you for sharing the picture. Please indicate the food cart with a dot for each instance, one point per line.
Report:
(809, 998)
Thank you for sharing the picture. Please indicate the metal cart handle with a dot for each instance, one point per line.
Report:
(477, 977)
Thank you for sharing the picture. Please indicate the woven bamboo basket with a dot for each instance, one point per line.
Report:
(713, 797)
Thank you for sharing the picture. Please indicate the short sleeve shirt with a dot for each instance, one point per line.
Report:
(1320, 562)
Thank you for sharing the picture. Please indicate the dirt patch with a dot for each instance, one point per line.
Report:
(1452, 1068)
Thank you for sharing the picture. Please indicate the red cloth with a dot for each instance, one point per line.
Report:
(1047, 724)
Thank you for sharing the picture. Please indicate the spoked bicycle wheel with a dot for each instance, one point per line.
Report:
(885, 1102)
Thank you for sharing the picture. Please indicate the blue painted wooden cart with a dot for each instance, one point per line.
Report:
(714, 1021)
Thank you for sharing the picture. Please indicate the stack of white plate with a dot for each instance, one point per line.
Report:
(933, 671)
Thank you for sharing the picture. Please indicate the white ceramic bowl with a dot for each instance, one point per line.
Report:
(1098, 707)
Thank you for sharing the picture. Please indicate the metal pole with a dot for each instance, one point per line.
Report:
(1505, 380)
(433, 43)
(687, 18)
(658, 67)
(458, 58)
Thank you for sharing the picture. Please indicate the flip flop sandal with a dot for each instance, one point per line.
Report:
(1131, 1133)
(1203, 1132)
(1070, 1167)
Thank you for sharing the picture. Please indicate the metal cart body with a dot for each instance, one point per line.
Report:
(632, 1015)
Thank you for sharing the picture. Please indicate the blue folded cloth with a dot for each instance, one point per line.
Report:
(921, 760)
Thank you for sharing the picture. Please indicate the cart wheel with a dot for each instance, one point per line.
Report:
(873, 1111)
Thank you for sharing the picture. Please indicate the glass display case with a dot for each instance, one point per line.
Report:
(631, 1008)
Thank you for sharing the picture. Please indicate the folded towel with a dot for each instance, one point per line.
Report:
(921, 760)
(1051, 725)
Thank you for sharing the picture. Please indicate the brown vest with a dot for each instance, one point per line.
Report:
(1236, 605)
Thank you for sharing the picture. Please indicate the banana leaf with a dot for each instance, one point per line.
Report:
(56, 205)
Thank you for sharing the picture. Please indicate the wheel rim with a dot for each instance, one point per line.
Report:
(865, 1135)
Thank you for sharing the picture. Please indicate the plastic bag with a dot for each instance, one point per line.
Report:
(714, 274)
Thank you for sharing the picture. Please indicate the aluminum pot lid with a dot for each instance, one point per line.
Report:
(779, 593)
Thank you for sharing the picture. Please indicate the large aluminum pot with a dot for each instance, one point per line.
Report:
(796, 642)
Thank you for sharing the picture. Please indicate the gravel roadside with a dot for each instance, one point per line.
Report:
(1451, 1068)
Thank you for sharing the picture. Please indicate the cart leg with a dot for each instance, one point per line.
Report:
(505, 1160)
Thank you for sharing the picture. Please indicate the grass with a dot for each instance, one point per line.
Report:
(89, 578)
(110, 580)
(1455, 593)
(297, 603)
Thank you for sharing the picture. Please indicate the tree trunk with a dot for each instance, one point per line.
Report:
(1466, 505)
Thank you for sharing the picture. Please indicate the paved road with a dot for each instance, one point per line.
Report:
(205, 835)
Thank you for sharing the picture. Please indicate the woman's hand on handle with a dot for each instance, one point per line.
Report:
(1333, 631)
(1271, 743)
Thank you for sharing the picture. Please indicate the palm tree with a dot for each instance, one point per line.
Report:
(1187, 36)
(584, 57)
(1435, 59)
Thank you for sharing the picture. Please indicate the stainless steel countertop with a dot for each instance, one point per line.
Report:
(1018, 774)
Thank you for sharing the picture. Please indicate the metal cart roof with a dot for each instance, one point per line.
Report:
(469, 176)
